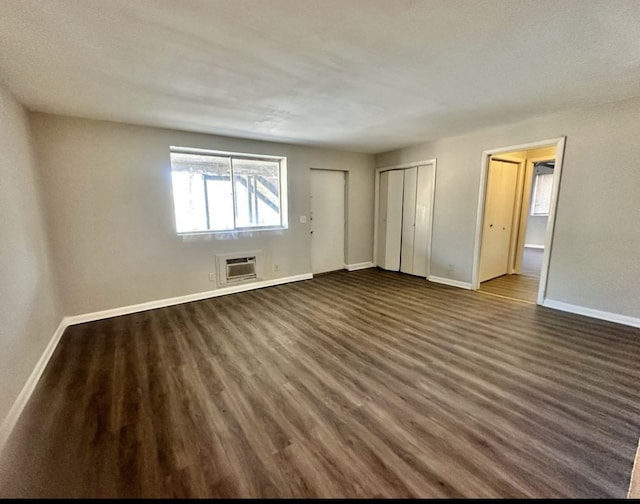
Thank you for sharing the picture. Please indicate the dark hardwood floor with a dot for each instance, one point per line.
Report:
(362, 384)
(523, 287)
(515, 287)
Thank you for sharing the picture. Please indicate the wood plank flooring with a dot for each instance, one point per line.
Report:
(522, 287)
(634, 484)
(517, 287)
(361, 384)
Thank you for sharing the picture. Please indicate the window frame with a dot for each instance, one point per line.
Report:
(534, 196)
(282, 188)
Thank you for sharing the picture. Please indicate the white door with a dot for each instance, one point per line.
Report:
(390, 219)
(424, 208)
(327, 220)
(498, 219)
(405, 208)
(382, 220)
(408, 219)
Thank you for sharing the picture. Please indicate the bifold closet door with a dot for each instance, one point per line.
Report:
(408, 219)
(382, 220)
(422, 228)
(390, 219)
(404, 219)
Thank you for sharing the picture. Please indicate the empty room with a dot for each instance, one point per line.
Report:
(319, 249)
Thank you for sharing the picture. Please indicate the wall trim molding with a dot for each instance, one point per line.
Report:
(9, 422)
(534, 246)
(449, 281)
(161, 303)
(591, 312)
(358, 266)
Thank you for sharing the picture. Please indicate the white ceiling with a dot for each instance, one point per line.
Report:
(364, 75)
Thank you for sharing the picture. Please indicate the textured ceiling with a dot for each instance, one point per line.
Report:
(364, 75)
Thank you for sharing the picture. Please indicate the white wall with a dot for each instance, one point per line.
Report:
(29, 306)
(594, 260)
(108, 196)
(536, 230)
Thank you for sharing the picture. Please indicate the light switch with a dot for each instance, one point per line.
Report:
(303, 219)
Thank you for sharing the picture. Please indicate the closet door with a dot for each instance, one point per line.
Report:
(382, 219)
(424, 208)
(408, 220)
(498, 219)
(390, 223)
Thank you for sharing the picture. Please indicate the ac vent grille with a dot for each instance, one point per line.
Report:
(237, 260)
(241, 268)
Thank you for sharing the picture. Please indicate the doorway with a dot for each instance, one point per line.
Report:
(327, 220)
(516, 216)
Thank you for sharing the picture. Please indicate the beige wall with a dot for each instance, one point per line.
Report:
(108, 196)
(530, 154)
(29, 307)
(594, 260)
(536, 230)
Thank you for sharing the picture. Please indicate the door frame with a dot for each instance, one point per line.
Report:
(559, 144)
(345, 175)
(376, 209)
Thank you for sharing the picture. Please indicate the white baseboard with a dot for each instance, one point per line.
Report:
(590, 312)
(448, 281)
(11, 419)
(358, 266)
(161, 303)
(532, 245)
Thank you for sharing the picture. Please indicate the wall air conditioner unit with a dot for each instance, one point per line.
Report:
(240, 268)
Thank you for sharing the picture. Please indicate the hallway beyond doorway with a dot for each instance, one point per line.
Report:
(523, 287)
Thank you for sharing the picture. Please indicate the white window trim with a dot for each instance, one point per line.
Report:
(283, 186)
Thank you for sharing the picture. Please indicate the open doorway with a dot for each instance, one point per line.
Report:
(516, 214)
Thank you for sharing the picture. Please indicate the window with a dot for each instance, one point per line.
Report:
(541, 201)
(217, 191)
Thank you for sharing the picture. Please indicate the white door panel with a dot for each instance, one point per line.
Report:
(382, 219)
(498, 219)
(394, 221)
(408, 219)
(424, 208)
(405, 208)
(327, 220)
